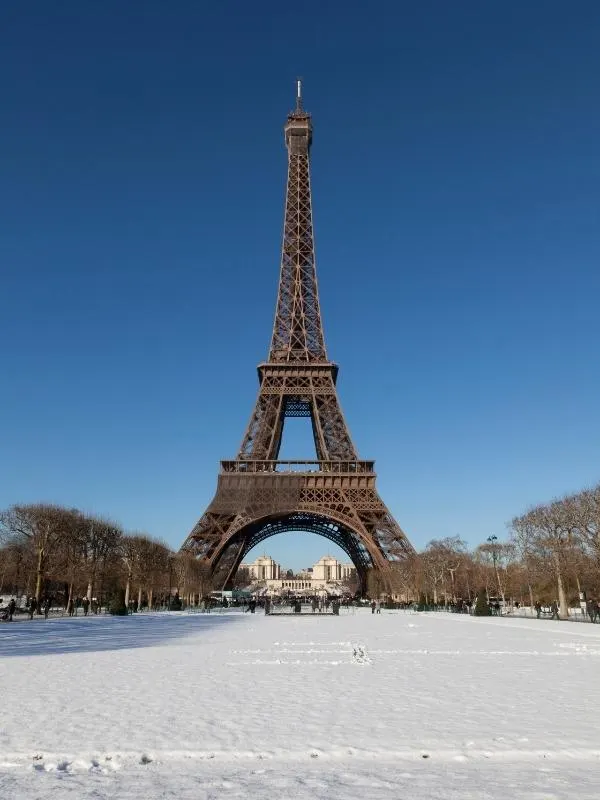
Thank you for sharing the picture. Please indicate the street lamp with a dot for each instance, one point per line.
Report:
(492, 540)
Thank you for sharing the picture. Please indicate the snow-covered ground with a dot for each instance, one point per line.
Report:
(397, 705)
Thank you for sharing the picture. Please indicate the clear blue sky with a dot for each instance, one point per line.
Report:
(455, 177)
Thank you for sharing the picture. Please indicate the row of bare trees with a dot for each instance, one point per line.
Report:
(50, 550)
(552, 553)
(560, 543)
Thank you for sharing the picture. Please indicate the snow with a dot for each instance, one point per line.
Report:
(232, 705)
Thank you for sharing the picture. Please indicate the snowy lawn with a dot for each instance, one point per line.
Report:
(233, 705)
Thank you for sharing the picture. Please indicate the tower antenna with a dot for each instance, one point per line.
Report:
(299, 94)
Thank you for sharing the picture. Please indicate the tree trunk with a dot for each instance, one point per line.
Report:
(70, 598)
(531, 601)
(500, 588)
(91, 583)
(150, 599)
(140, 599)
(127, 590)
(39, 577)
(562, 599)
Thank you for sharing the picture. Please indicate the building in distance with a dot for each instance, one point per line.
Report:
(328, 575)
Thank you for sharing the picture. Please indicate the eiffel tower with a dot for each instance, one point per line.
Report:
(259, 496)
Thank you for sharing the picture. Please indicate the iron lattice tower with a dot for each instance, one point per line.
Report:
(259, 496)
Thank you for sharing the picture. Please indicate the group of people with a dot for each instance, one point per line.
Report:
(7, 613)
(553, 609)
(591, 608)
(84, 603)
(319, 604)
(43, 606)
(32, 605)
(376, 606)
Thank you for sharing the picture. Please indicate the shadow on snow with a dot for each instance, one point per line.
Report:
(97, 633)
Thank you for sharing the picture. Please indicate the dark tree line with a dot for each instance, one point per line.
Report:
(50, 550)
(551, 553)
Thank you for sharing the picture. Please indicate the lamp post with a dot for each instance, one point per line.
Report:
(492, 540)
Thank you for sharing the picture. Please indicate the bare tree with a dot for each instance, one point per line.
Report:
(498, 555)
(130, 548)
(523, 537)
(587, 512)
(553, 528)
(440, 561)
(99, 538)
(43, 526)
(17, 563)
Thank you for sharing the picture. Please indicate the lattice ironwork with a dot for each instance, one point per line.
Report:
(257, 495)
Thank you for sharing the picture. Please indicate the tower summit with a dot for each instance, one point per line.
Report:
(259, 496)
(298, 331)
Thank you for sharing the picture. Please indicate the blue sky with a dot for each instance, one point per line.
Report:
(456, 195)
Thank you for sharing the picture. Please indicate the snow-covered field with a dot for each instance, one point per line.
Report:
(232, 705)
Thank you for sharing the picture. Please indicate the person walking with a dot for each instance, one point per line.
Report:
(11, 608)
(86, 606)
(373, 605)
(538, 609)
(47, 604)
(32, 607)
(554, 609)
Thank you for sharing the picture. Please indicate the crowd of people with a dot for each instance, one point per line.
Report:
(31, 606)
(590, 609)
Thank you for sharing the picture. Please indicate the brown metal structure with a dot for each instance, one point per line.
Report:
(257, 495)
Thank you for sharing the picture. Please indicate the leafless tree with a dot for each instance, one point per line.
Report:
(553, 535)
(99, 538)
(42, 526)
(587, 512)
(440, 562)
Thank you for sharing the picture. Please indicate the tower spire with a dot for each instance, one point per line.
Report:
(298, 330)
